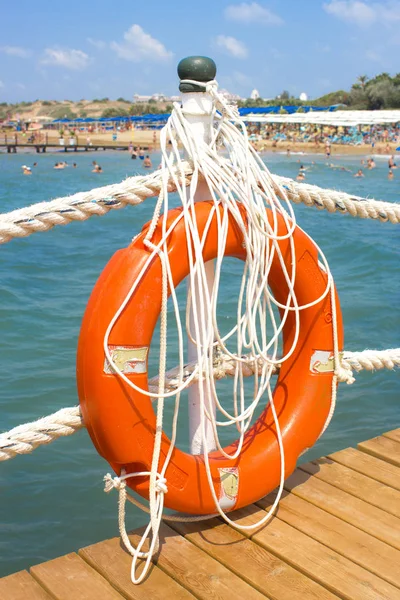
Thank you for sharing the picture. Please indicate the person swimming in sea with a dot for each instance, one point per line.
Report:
(26, 170)
(359, 173)
(390, 174)
(147, 162)
(301, 176)
(97, 169)
(327, 149)
(391, 163)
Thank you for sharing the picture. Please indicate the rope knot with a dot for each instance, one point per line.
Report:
(161, 485)
(211, 86)
(344, 373)
(112, 482)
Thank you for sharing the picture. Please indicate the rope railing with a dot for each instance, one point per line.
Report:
(25, 438)
(134, 190)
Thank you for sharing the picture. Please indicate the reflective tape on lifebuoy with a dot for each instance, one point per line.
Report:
(121, 421)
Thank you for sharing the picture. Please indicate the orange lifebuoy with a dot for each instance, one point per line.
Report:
(121, 421)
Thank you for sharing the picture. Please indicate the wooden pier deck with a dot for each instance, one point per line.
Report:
(11, 144)
(336, 534)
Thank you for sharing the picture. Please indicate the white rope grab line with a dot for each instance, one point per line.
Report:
(134, 190)
(79, 207)
(334, 201)
(25, 438)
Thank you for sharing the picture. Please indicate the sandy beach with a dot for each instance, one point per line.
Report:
(145, 138)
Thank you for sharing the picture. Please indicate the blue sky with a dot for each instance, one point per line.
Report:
(85, 49)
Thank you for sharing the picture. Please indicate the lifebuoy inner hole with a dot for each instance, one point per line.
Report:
(228, 295)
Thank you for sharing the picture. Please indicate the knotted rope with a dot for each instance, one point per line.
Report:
(25, 438)
(134, 190)
(29, 436)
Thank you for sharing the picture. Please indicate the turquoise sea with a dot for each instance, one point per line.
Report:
(52, 501)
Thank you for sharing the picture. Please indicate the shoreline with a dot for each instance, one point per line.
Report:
(140, 137)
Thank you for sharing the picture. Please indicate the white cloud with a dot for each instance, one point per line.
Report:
(364, 14)
(99, 44)
(16, 51)
(139, 46)
(252, 13)
(232, 46)
(76, 60)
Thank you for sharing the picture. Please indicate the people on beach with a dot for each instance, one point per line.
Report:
(26, 170)
(147, 162)
(391, 163)
(359, 173)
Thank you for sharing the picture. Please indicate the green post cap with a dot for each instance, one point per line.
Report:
(198, 68)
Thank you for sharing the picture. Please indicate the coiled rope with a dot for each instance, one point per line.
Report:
(25, 438)
(134, 190)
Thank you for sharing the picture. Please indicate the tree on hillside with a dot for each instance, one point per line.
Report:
(362, 80)
(114, 112)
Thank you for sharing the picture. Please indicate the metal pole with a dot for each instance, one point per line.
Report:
(198, 105)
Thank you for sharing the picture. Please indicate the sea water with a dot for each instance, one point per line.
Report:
(52, 501)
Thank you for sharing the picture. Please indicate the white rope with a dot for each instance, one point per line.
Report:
(134, 190)
(242, 179)
(25, 438)
(332, 201)
(79, 207)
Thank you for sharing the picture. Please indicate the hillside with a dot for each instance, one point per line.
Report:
(53, 109)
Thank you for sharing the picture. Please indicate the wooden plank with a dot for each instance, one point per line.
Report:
(21, 586)
(393, 435)
(337, 573)
(112, 561)
(366, 517)
(356, 545)
(261, 569)
(355, 484)
(195, 570)
(368, 465)
(382, 447)
(70, 578)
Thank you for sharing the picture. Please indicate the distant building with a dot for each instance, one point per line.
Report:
(303, 97)
(155, 97)
(255, 95)
(233, 98)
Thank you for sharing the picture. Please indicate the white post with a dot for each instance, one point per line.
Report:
(198, 105)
